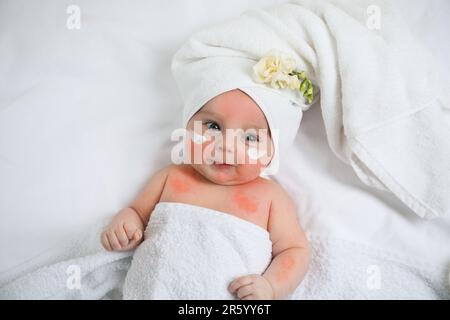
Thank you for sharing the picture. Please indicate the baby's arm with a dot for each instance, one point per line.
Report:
(126, 230)
(290, 251)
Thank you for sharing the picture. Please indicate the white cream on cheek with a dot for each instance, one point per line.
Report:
(255, 154)
(198, 138)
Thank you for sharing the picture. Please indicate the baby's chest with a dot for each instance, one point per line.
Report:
(246, 203)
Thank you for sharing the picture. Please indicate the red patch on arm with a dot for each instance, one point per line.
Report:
(179, 185)
(287, 264)
(245, 203)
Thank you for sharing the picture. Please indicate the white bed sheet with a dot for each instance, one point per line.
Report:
(85, 118)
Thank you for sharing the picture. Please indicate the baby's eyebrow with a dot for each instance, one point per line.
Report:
(248, 126)
(212, 113)
(255, 126)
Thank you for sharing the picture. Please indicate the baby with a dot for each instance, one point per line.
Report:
(229, 184)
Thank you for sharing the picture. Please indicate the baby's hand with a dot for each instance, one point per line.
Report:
(124, 232)
(252, 287)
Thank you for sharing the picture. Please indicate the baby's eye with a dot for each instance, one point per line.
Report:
(251, 138)
(212, 125)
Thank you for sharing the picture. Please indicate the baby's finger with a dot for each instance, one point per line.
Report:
(113, 241)
(130, 230)
(133, 233)
(245, 291)
(121, 236)
(105, 242)
(137, 235)
(134, 242)
(249, 297)
(239, 282)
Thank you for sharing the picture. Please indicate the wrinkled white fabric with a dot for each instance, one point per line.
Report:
(193, 252)
(380, 96)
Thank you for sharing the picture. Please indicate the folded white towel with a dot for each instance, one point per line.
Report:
(92, 277)
(382, 112)
(341, 269)
(192, 252)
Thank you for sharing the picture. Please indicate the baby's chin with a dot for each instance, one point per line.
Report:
(227, 175)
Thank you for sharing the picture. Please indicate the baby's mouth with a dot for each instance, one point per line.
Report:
(222, 165)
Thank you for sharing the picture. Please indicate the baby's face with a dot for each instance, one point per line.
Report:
(229, 139)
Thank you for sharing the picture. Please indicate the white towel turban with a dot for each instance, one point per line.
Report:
(380, 100)
(200, 80)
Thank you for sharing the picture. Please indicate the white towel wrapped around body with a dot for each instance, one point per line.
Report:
(339, 269)
(192, 252)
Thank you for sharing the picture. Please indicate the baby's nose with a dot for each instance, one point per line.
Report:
(222, 148)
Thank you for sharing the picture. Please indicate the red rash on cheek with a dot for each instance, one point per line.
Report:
(195, 151)
(245, 202)
(179, 185)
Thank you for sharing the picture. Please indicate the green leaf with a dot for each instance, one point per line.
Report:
(303, 86)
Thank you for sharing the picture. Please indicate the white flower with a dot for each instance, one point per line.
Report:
(278, 70)
(280, 80)
(294, 82)
(274, 64)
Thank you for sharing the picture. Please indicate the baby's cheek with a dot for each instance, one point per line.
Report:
(208, 151)
(241, 157)
(249, 172)
(196, 151)
(189, 150)
(260, 154)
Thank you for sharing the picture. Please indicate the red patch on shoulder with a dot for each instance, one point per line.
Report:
(245, 203)
(179, 185)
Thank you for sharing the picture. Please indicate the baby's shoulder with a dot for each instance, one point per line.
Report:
(272, 188)
(275, 190)
(181, 172)
(176, 169)
(163, 174)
